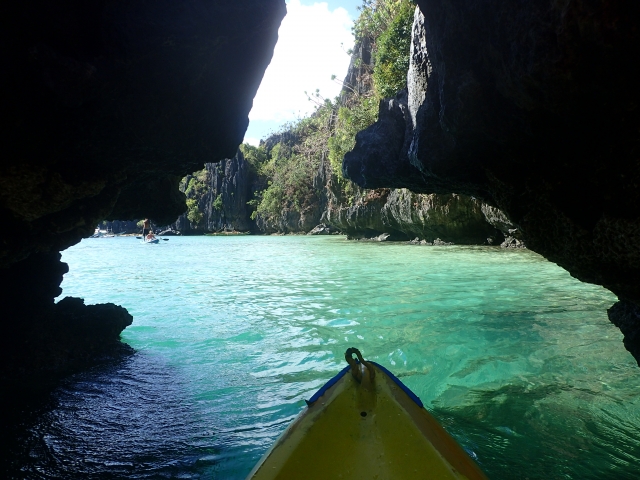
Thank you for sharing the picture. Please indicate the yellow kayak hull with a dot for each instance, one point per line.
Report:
(372, 429)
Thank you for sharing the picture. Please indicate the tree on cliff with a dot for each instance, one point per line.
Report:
(287, 165)
(385, 27)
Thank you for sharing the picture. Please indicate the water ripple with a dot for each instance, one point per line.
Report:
(516, 358)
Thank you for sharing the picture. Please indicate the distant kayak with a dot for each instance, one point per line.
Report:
(153, 240)
(365, 424)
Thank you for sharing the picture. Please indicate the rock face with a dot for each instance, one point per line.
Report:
(291, 221)
(405, 215)
(361, 213)
(222, 190)
(106, 106)
(533, 108)
(223, 201)
(41, 339)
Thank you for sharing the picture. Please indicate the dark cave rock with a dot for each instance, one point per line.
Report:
(44, 340)
(626, 316)
(111, 103)
(72, 337)
(30, 286)
(107, 105)
(534, 109)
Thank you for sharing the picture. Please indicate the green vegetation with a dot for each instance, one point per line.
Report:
(217, 203)
(391, 55)
(285, 165)
(194, 215)
(290, 166)
(255, 156)
(331, 130)
(197, 184)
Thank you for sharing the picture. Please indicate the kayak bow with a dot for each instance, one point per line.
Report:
(365, 425)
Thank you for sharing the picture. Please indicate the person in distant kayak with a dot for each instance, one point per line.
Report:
(146, 227)
(150, 236)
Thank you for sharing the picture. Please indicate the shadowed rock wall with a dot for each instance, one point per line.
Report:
(533, 107)
(107, 104)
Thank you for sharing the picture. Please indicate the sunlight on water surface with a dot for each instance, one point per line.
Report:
(514, 357)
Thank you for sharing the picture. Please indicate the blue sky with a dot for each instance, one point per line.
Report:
(312, 44)
(348, 5)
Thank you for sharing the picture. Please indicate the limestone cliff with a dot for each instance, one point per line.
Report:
(405, 215)
(533, 108)
(217, 198)
(306, 188)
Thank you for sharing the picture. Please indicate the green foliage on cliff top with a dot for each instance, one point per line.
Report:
(387, 26)
(391, 57)
(291, 165)
(284, 167)
(256, 157)
(329, 133)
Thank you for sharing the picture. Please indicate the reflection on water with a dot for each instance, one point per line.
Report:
(516, 358)
(547, 431)
(131, 419)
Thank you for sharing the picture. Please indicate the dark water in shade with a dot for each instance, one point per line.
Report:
(514, 357)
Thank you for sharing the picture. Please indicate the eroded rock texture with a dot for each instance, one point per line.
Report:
(404, 215)
(107, 104)
(531, 106)
(226, 189)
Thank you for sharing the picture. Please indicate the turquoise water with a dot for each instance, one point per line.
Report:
(514, 357)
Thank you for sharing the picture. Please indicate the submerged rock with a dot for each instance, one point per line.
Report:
(383, 237)
(169, 233)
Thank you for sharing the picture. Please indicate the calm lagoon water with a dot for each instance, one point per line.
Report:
(514, 357)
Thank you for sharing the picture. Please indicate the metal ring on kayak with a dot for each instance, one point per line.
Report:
(355, 369)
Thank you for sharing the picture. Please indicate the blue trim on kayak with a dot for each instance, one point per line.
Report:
(327, 386)
(404, 388)
(335, 379)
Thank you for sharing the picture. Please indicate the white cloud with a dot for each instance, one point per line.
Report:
(308, 52)
(252, 141)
